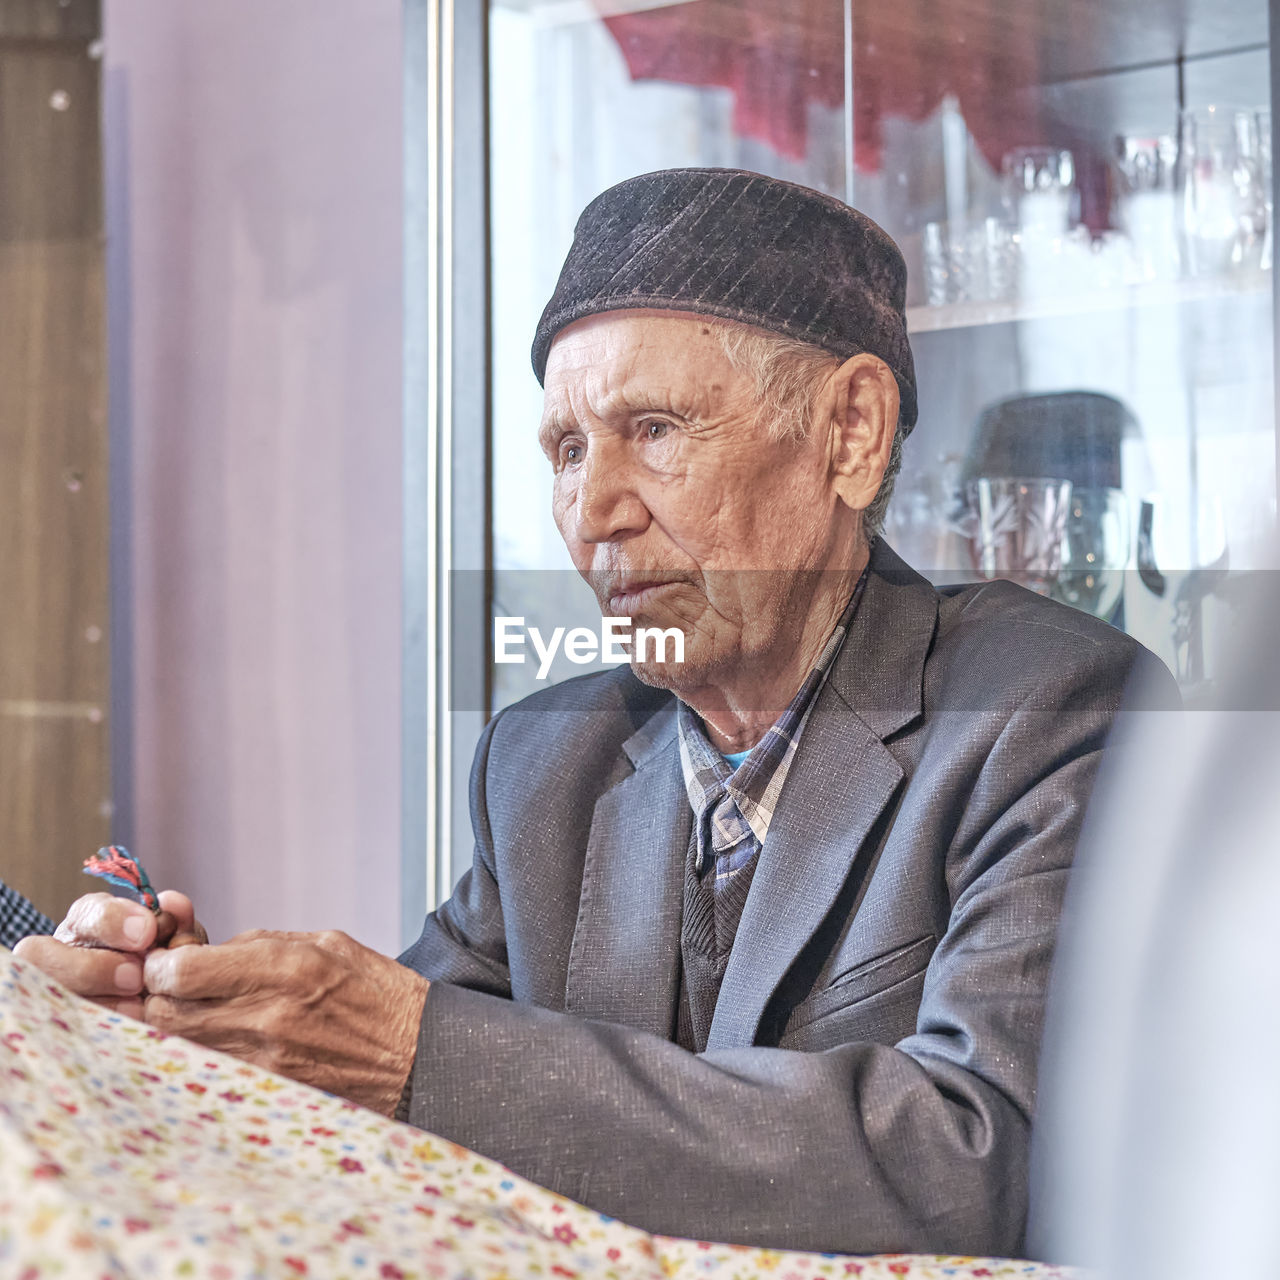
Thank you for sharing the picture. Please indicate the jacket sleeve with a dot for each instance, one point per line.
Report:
(865, 1147)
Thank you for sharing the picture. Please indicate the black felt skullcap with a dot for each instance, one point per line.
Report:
(744, 247)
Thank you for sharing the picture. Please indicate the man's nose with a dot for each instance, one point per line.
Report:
(607, 505)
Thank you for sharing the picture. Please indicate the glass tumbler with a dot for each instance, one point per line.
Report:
(1222, 203)
(1039, 188)
(1146, 165)
(1017, 527)
(1095, 551)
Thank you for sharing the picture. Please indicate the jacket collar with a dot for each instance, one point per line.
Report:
(652, 737)
(880, 671)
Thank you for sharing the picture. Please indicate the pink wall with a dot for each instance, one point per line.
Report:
(255, 195)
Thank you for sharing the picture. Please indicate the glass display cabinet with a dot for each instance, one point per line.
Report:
(1083, 192)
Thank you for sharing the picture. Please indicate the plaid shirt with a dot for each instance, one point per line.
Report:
(19, 918)
(733, 808)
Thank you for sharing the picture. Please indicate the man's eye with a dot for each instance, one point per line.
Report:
(570, 452)
(655, 428)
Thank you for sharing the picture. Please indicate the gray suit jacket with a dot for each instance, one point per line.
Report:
(870, 1074)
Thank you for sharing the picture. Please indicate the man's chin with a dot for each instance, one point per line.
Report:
(666, 663)
(678, 677)
(661, 675)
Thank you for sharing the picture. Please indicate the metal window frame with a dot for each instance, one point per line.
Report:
(1273, 54)
(447, 525)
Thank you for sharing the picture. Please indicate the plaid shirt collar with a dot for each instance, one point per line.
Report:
(736, 830)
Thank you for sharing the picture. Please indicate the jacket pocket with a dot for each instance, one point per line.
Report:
(864, 981)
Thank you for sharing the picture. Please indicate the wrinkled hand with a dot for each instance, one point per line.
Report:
(317, 1007)
(98, 950)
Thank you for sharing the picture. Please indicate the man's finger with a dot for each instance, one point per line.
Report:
(179, 906)
(226, 1027)
(166, 928)
(100, 920)
(94, 972)
(169, 933)
(130, 1006)
(213, 973)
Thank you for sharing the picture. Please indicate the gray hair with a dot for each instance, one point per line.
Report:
(788, 374)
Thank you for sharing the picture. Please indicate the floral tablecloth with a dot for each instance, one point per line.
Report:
(125, 1153)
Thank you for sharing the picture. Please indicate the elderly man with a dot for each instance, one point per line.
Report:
(755, 945)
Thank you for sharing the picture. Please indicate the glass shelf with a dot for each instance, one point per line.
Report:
(1153, 293)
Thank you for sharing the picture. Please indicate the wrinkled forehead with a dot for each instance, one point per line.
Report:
(625, 334)
(626, 356)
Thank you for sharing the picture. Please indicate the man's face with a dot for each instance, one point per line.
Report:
(676, 505)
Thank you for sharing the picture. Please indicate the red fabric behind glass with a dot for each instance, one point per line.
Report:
(777, 58)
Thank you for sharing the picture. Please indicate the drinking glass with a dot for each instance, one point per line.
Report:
(1208, 565)
(1146, 161)
(1186, 560)
(1222, 204)
(1095, 551)
(937, 267)
(1000, 247)
(964, 263)
(1016, 528)
(1039, 185)
(1146, 165)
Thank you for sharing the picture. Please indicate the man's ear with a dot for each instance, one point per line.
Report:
(861, 399)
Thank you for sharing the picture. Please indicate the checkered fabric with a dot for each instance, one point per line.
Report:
(733, 807)
(19, 918)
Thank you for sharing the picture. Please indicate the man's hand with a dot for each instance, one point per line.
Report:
(99, 948)
(318, 1007)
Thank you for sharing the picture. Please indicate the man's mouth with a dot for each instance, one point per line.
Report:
(632, 595)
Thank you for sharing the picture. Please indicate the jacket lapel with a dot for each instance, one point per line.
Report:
(624, 962)
(841, 781)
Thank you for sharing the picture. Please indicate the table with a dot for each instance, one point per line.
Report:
(127, 1153)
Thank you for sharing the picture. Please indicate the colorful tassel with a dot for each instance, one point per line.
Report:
(116, 865)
